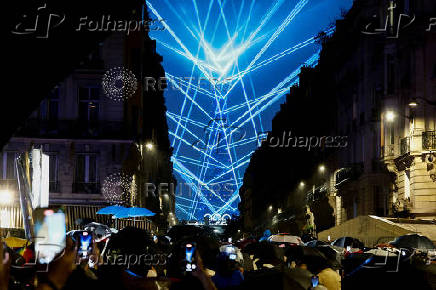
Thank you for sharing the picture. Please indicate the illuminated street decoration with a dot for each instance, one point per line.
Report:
(215, 128)
(119, 83)
(119, 188)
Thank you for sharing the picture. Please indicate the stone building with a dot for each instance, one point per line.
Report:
(386, 99)
(91, 136)
(375, 85)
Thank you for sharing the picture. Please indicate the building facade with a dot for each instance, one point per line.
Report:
(377, 77)
(97, 143)
(375, 86)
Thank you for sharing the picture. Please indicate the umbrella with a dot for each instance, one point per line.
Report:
(133, 212)
(112, 209)
(298, 278)
(14, 242)
(286, 239)
(415, 241)
(100, 231)
(266, 235)
(332, 257)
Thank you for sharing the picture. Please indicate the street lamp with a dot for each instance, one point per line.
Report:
(149, 146)
(413, 103)
(321, 168)
(390, 116)
(6, 197)
(302, 184)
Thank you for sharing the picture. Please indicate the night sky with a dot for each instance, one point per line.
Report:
(212, 136)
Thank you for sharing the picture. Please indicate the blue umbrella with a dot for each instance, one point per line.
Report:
(133, 212)
(112, 209)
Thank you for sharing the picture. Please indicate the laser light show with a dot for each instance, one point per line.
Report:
(229, 65)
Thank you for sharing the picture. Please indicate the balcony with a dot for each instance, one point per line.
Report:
(86, 187)
(54, 186)
(388, 151)
(404, 145)
(9, 183)
(75, 129)
(349, 173)
(429, 140)
(317, 193)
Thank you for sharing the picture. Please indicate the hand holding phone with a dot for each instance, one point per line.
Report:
(315, 281)
(85, 244)
(50, 231)
(190, 258)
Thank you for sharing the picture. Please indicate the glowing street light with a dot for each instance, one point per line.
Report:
(149, 146)
(413, 103)
(6, 197)
(302, 184)
(321, 168)
(390, 116)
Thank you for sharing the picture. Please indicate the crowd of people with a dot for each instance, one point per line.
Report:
(189, 258)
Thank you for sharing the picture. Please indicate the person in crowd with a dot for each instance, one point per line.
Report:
(330, 278)
(59, 270)
(197, 280)
(227, 274)
(265, 236)
(5, 263)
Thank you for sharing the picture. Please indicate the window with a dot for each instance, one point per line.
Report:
(380, 201)
(88, 98)
(391, 74)
(53, 172)
(86, 177)
(49, 108)
(9, 165)
(407, 184)
(86, 168)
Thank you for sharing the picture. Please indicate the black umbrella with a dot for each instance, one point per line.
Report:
(331, 256)
(415, 241)
(100, 231)
(298, 278)
(179, 232)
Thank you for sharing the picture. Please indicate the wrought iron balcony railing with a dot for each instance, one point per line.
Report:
(349, 173)
(75, 129)
(388, 151)
(429, 140)
(404, 145)
(54, 186)
(86, 187)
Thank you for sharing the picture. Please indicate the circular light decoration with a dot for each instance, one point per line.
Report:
(119, 83)
(119, 188)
